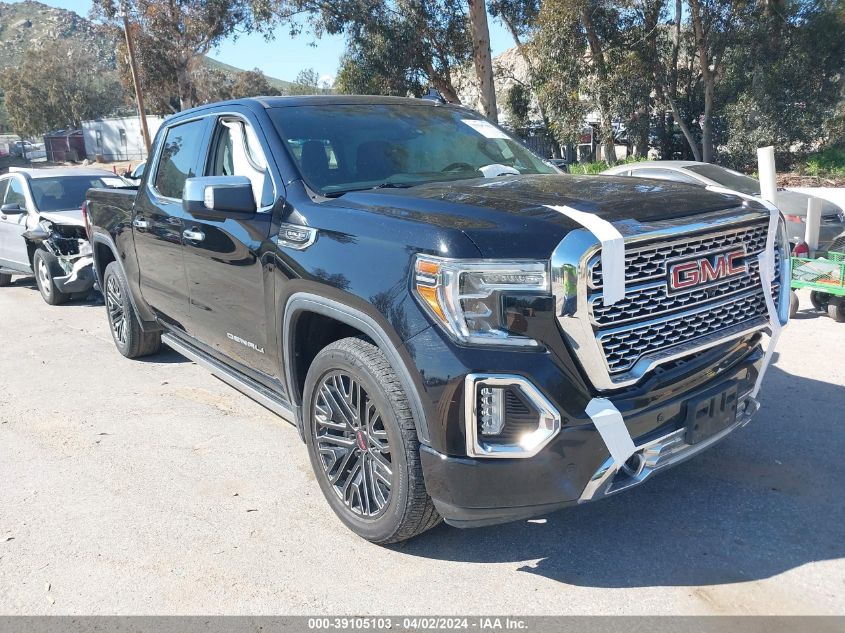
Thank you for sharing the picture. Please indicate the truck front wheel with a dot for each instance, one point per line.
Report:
(129, 338)
(363, 444)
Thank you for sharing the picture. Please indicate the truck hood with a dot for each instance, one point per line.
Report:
(71, 217)
(508, 216)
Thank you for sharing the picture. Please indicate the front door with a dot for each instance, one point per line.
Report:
(158, 222)
(227, 280)
(13, 252)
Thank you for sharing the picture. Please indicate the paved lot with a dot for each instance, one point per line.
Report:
(151, 487)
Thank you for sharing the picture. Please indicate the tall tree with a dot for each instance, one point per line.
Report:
(429, 38)
(181, 32)
(52, 93)
(483, 58)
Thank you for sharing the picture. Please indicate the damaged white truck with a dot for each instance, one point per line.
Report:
(42, 229)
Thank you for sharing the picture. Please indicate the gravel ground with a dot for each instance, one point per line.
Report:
(151, 487)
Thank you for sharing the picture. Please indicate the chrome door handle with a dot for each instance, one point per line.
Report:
(194, 236)
(138, 223)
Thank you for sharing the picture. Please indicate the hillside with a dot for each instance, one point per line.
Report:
(27, 25)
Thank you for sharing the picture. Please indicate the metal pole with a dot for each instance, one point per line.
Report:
(139, 97)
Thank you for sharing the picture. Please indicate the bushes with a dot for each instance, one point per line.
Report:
(828, 163)
(590, 169)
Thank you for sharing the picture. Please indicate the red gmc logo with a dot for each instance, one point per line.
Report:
(706, 270)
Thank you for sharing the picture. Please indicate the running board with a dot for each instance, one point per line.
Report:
(246, 386)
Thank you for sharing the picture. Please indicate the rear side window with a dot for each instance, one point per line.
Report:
(178, 159)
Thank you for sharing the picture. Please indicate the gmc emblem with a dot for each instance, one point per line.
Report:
(706, 270)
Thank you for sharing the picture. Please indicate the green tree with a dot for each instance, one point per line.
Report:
(429, 39)
(52, 93)
(252, 83)
(518, 104)
(174, 35)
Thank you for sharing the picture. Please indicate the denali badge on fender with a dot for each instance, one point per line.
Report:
(706, 270)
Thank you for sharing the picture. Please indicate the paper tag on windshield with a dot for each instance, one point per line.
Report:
(485, 128)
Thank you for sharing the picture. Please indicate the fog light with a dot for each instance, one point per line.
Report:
(492, 410)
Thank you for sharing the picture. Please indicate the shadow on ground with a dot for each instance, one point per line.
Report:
(764, 501)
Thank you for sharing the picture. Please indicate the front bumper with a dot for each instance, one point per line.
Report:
(80, 279)
(576, 467)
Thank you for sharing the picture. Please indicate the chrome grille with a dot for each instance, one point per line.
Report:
(649, 262)
(651, 322)
(625, 346)
(651, 300)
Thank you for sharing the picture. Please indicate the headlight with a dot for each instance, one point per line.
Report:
(466, 296)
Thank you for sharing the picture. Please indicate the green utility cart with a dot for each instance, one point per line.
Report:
(825, 277)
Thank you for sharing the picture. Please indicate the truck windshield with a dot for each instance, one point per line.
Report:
(352, 147)
(65, 192)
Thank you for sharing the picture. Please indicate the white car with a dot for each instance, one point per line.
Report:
(42, 230)
(792, 204)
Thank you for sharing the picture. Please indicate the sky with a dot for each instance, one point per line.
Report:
(284, 57)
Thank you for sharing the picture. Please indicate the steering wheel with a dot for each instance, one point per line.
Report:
(459, 167)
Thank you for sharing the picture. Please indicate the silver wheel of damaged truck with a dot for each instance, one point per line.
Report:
(126, 332)
(363, 445)
(47, 267)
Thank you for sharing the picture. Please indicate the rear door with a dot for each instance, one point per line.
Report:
(227, 279)
(13, 252)
(158, 220)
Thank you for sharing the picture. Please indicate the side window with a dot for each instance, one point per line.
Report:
(178, 157)
(3, 186)
(237, 152)
(15, 194)
(665, 174)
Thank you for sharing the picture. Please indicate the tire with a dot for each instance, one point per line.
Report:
(819, 300)
(126, 332)
(5, 280)
(793, 304)
(363, 444)
(836, 310)
(46, 267)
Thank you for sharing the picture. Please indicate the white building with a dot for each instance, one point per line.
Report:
(118, 138)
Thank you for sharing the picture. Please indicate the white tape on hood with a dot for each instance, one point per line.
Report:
(612, 251)
(766, 261)
(611, 426)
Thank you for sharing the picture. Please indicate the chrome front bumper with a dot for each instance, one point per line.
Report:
(659, 454)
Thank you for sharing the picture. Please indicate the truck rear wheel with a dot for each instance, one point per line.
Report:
(46, 266)
(363, 444)
(5, 280)
(129, 338)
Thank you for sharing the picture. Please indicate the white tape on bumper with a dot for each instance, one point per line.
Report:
(611, 427)
(612, 251)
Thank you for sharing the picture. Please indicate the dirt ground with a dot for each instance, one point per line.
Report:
(151, 487)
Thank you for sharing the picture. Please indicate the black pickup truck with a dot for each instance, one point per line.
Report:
(394, 277)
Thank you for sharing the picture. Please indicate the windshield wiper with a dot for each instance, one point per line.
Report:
(395, 185)
(384, 185)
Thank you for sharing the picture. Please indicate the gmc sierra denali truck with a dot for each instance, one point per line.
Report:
(392, 276)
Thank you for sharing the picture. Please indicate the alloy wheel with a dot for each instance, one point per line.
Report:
(117, 313)
(44, 277)
(352, 444)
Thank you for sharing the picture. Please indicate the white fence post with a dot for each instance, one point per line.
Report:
(767, 174)
(814, 218)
